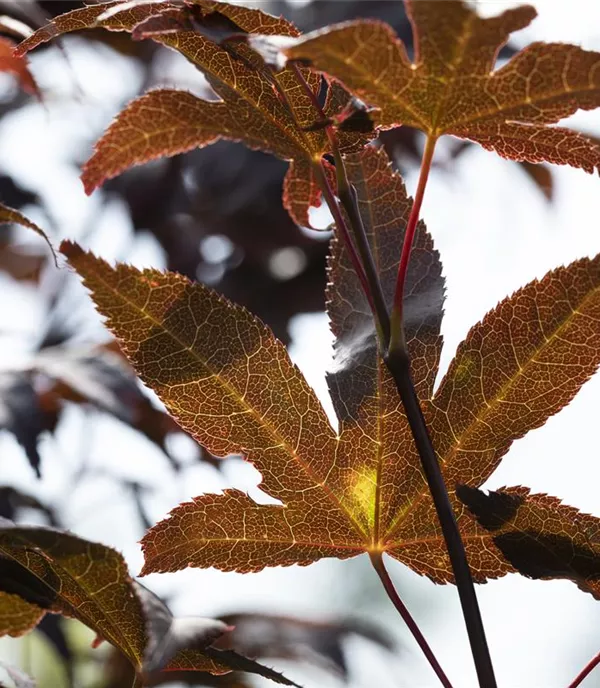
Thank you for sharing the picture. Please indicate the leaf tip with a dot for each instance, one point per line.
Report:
(70, 249)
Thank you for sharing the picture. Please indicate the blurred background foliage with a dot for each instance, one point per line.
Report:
(70, 400)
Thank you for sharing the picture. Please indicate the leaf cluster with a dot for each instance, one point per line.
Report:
(225, 378)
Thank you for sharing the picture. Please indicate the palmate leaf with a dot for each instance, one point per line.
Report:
(49, 570)
(228, 381)
(166, 121)
(451, 87)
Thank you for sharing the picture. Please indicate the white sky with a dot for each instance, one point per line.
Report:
(495, 232)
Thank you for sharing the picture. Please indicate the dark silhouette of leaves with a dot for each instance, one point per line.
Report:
(11, 216)
(32, 399)
(288, 637)
(22, 415)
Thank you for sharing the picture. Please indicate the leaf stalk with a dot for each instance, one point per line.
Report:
(397, 337)
(342, 227)
(585, 672)
(397, 361)
(379, 566)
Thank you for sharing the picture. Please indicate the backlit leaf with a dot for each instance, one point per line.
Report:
(17, 616)
(377, 452)
(236, 391)
(55, 571)
(540, 537)
(228, 382)
(250, 109)
(521, 364)
(452, 88)
(17, 66)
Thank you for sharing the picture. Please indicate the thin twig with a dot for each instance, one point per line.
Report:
(342, 227)
(347, 195)
(398, 363)
(584, 673)
(399, 367)
(379, 566)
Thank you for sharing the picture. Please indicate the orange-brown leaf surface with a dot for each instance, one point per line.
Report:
(228, 382)
(540, 537)
(452, 87)
(48, 570)
(17, 66)
(17, 616)
(250, 109)
(521, 364)
(231, 384)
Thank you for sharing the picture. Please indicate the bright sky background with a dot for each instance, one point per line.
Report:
(495, 232)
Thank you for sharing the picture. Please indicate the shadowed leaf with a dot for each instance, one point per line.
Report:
(541, 177)
(451, 87)
(540, 537)
(102, 379)
(377, 448)
(62, 573)
(167, 635)
(291, 638)
(22, 415)
(33, 397)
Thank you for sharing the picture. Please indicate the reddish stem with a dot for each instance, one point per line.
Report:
(379, 566)
(397, 325)
(342, 227)
(583, 674)
(347, 196)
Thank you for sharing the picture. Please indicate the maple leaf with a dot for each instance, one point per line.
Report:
(17, 616)
(166, 122)
(452, 88)
(49, 570)
(230, 383)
